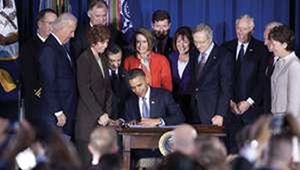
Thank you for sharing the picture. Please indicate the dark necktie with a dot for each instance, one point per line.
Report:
(241, 54)
(240, 85)
(160, 47)
(67, 53)
(240, 59)
(114, 75)
(201, 64)
(145, 109)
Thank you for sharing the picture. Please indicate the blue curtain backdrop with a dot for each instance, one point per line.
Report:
(220, 14)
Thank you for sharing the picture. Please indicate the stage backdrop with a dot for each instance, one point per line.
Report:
(220, 14)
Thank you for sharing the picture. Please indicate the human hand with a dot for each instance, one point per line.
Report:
(217, 120)
(61, 120)
(243, 106)
(103, 119)
(234, 108)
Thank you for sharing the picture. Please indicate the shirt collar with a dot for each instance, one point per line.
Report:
(57, 38)
(208, 51)
(40, 37)
(245, 45)
(147, 95)
(288, 57)
(110, 71)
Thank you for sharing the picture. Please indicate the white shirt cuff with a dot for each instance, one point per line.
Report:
(162, 122)
(250, 101)
(58, 113)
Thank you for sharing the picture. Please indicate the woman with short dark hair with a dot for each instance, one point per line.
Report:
(285, 80)
(94, 104)
(182, 61)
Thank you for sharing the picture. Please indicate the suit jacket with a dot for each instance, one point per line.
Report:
(58, 83)
(162, 105)
(182, 85)
(120, 91)
(213, 90)
(94, 94)
(267, 84)
(248, 81)
(29, 55)
(285, 87)
(159, 69)
(241, 163)
(166, 46)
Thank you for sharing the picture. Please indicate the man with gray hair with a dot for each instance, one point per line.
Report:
(213, 78)
(58, 97)
(98, 15)
(250, 57)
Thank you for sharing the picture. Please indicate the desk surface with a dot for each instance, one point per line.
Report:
(201, 129)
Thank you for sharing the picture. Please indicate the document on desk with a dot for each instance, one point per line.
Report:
(143, 126)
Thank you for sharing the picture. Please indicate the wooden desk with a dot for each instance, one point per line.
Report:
(147, 138)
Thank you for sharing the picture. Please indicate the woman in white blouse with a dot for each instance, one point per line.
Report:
(285, 80)
(182, 62)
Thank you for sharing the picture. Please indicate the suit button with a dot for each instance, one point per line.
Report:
(196, 89)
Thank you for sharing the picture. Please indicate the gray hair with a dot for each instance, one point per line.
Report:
(273, 24)
(247, 18)
(204, 28)
(64, 20)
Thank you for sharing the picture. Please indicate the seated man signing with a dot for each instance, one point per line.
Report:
(150, 106)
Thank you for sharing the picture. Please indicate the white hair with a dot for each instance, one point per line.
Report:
(248, 19)
(63, 20)
(204, 28)
(273, 24)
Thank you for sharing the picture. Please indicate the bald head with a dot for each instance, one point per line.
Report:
(103, 140)
(184, 139)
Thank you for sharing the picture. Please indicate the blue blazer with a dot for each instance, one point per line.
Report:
(182, 85)
(213, 89)
(58, 83)
(162, 105)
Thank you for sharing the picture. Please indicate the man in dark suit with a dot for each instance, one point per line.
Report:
(119, 83)
(250, 62)
(161, 24)
(31, 85)
(150, 106)
(58, 98)
(97, 14)
(213, 79)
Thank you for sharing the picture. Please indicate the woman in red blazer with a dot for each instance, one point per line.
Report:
(156, 66)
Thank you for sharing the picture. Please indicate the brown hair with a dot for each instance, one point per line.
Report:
(283, 34)
(148, 35)
(184, 32)
(160, 15)
(98, 33)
